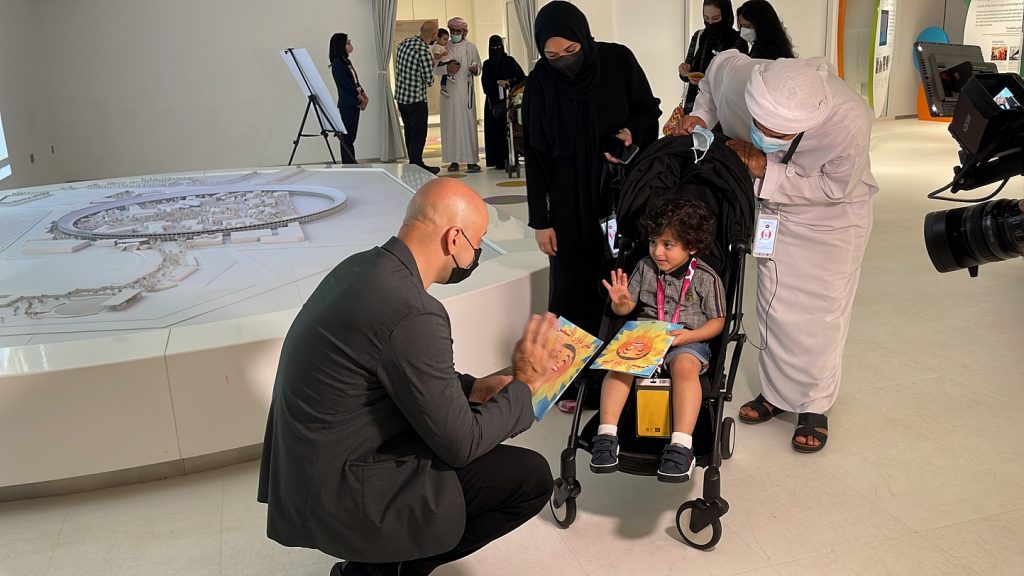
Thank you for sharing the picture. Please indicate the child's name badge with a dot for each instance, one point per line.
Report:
(765, 235)
(660, 382)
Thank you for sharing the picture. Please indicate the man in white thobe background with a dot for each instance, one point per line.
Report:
(460, 142)
(804, 135)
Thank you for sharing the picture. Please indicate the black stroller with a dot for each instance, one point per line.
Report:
(722, 182)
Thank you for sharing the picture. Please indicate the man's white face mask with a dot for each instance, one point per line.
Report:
(702, 139)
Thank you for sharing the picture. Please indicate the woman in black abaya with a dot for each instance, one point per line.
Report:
(718, 35)
(502, 70)
(581, 94)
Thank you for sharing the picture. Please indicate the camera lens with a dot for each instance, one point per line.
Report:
(976, 235)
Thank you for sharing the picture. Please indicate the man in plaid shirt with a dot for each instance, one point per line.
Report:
(414, 73)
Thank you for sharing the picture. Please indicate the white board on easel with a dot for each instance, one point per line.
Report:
(312, 83)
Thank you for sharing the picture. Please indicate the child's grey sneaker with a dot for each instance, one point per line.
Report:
(604, 454)
(676, 464)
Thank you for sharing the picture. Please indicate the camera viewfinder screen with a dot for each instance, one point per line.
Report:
(1006, 100)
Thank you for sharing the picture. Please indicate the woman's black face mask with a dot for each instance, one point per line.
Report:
(568, 64)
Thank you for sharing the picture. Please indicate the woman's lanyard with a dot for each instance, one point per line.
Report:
(682, 291)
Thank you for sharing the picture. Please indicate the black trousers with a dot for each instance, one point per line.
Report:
(414, 117)
(503, 489)
(350, 116)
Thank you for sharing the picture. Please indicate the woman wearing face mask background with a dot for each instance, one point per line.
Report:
(718, 35)
(580, 95)
(761, 27)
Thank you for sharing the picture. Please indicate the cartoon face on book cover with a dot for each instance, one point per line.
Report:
(637, 349)
(575, 348)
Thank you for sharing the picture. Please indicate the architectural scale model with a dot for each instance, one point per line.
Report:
(111, 252)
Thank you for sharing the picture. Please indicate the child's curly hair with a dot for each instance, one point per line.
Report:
(688, 221)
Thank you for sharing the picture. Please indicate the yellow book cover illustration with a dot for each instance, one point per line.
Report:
(637, 349)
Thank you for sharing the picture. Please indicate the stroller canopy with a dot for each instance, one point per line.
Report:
(720, 180)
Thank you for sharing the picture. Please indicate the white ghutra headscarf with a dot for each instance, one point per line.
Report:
(789, 95)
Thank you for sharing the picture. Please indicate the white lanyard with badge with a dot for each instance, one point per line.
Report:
(654, 412)
(768, 215)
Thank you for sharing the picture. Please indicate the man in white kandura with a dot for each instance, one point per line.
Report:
(459, 140)
(804, 135)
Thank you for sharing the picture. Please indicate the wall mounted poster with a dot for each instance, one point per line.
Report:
(881, 54)
(575, 349)
(996, 25)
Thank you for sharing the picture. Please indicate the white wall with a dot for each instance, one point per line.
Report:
(26, 118)
(138, 86)
(655, 35)
(956, 19)
(912, 16)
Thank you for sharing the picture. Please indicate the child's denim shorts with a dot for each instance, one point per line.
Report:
(699, 350)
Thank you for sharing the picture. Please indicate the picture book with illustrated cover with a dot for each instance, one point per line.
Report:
(575, 349)
(638, 348)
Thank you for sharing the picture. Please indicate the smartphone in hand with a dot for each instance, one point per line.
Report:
(628, 153)
(617, 149)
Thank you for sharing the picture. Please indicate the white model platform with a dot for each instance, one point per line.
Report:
(141, 319)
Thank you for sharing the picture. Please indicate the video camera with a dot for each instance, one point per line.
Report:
(988, 123)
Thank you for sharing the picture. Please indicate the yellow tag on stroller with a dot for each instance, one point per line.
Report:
(654, 408)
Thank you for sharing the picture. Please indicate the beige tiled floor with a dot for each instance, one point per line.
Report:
(922, 475)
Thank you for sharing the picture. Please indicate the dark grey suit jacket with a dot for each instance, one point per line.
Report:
(369, 418)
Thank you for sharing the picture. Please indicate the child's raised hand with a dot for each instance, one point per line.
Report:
(618, 290)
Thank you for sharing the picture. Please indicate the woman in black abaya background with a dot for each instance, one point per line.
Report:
(580, 94)
(718, 35)
(500, 69)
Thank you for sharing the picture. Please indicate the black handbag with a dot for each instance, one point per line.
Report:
(499, 110)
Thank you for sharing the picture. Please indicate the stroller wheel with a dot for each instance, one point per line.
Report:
(704, 538)
(565, 514)
(728, 437)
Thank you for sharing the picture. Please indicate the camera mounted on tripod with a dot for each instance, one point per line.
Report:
(988, 124)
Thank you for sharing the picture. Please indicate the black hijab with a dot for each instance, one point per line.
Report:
(563, 20)
(716, 37)
(496, 49)
(565, 108)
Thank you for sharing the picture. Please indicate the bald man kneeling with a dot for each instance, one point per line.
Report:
(377, 450)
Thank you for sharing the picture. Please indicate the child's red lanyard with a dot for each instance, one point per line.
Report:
(682, 291)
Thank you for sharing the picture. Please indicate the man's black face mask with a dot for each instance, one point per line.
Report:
(459, 273)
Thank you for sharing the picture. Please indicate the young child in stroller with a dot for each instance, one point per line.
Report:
(671, 280)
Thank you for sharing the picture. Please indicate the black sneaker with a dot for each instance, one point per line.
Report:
(676, 464)
(473, 169)
(604, 454)
(453, 167)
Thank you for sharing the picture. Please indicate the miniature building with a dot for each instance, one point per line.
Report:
(123, 300)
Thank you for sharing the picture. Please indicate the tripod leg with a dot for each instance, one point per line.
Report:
(298, 136)
(329, 149)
